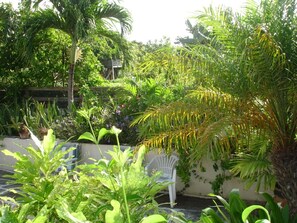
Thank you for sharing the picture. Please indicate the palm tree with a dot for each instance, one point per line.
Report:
(78, 19)
(199, 32)
(251, 62)
(9, 57)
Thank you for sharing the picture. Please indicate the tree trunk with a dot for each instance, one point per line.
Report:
(70, 96)
(285, 167)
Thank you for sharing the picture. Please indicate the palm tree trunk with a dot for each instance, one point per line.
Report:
(70, 97)
(285, 167)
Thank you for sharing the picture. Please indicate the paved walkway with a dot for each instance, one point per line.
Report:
(190, 206)
(4, 187)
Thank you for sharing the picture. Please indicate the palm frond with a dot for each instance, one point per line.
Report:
(253, 169)
(39, 21)
(201, 122)
(114, 12)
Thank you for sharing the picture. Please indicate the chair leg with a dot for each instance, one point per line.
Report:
(174, 192)
(171, 196)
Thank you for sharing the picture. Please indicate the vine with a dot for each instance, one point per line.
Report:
(217, 183)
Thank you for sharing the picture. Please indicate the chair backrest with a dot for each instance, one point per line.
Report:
(166, 164)
(73, 155)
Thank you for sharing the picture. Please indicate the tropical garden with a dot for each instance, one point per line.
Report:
(228, 93)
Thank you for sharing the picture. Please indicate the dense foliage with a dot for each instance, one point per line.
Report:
(229, 92)
(247, 109)
(37, 43)
(106, 191)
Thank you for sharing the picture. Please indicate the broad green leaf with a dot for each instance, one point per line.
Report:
(40, 219)
(237, 205)
(275, 210)
(209, 212)
(262, 221)
(115, 215)
(23, 212)
(250, 209)
(79, 215)
(88, 136)
(63, 211)
(285, 214)
(137, 165)
(133, 197)
(102, 133)
(49, 141)
(16, 155)
(33, 152)
(222, 200)
(156, 218)
(8, 216)
(86, 113)
(206, 219)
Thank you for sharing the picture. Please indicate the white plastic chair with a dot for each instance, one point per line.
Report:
(73, 155)
(166, 165)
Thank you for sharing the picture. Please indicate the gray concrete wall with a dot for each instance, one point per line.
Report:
(89, 152)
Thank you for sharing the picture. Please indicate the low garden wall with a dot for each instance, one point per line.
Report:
(199, 183)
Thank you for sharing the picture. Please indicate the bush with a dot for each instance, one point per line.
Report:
(111, 191)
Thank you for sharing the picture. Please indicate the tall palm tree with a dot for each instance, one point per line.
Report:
(78, 19)
(9, 25)
(251, 62)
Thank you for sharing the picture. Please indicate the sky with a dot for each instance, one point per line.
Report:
(155, 19)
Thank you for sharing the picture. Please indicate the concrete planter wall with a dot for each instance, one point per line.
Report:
(198, 186)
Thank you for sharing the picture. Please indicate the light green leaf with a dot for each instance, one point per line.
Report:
(102, 133)
(250, 209)
(88, 136)
(137, 165)
(153, 219)
(114, 216)
(49, 141)
(209, 213)
(262, 221)
(7, 215)
(23, 212)
(63, 211)
(36, 153)
(15, 155)
(40, 219)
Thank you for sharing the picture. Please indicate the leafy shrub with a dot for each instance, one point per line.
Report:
(235, 210)
(111, 191)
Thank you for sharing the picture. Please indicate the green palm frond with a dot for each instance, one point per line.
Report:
(253, 169)
(7, 21)
(115, 12)
(40, 20)
(201, 122)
